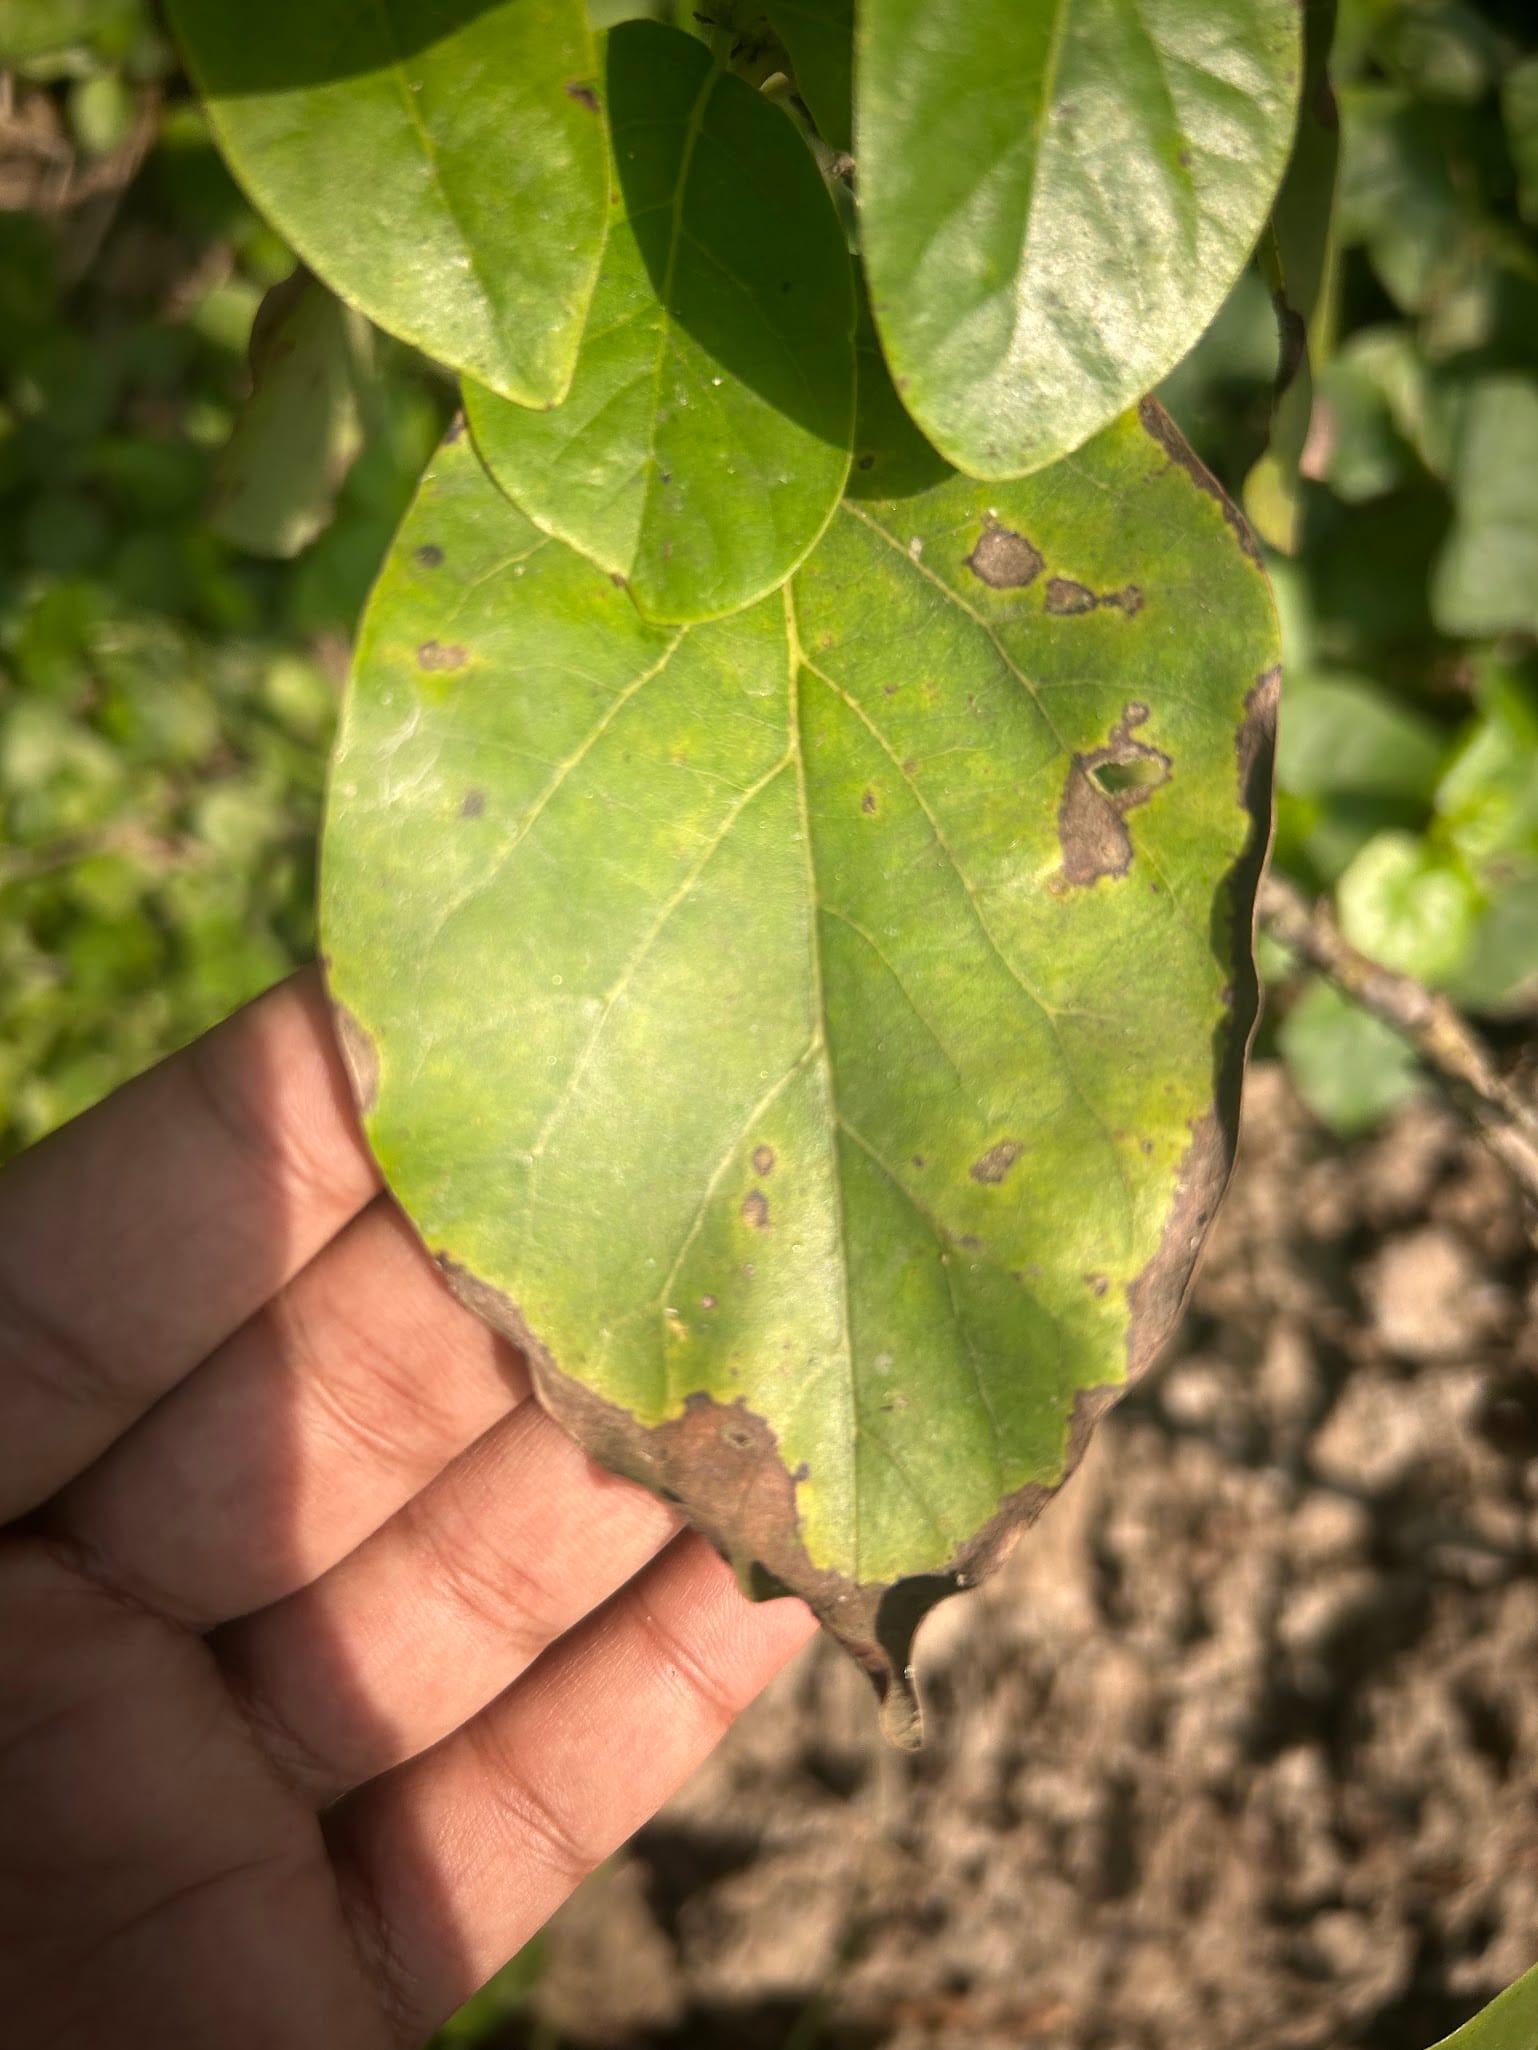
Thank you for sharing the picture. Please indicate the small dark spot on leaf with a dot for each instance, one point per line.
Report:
(707, 1302)
(1005, 560)
(1147, 1145)
(442, 655)
(583, 94)
(755, 1210)
(665, 476)
(472, 804)
(616, 580)
(1064, 596)
(866, 463)
(1184, 160)
(910, 767)
(429, 555)
(763, 1160)
(868, 801)
(1096, 1284)
(997, 1161)
(918, 1160)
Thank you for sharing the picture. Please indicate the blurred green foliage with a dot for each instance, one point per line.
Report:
(1408, 758)
(166, 702)
(166, 698)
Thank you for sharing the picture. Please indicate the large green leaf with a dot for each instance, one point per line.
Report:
(816, 1033)
(705, 440)
(440, 165)
(1056, 198)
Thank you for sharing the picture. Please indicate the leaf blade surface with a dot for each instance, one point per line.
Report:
(1055, 201)
(705, 440)
(816, 1031)
(441, 167)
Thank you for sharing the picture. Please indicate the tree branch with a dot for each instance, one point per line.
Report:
(1445, 1041)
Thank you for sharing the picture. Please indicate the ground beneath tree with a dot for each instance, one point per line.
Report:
(1241, 1750)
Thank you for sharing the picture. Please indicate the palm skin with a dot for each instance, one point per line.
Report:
(330, 1665)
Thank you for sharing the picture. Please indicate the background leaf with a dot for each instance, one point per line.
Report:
(1054, 201)
(705, 439)
(817, 1031)
(441, 165)
(1349, 1068)
(1485, 580)
(300, 431)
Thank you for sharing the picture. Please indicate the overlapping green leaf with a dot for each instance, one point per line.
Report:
(441, 166)
(1297, 260)
(816, 1032)
(818, 36)
(705, 439)
(1055, 199)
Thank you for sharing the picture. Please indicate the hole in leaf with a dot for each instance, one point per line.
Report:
(1143, 772)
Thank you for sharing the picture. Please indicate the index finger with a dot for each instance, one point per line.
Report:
(138, 1237)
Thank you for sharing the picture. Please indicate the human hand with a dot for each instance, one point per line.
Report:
(328, 1664)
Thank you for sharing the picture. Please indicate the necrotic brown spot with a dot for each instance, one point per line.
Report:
(1064, 597)
(1103, 785)
(1005, 560)
(763, 1160)
(755, 1210)
(583, 94)
(997, 1161)
(442, 655)
(472, 804)
(429, 555)
(868, 801)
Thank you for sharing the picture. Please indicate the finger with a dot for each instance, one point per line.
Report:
(306, 1430)
(450, 1863)
(135, 1239)
(443, 1608)
(157, 1884)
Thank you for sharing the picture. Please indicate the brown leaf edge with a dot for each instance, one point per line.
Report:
(720, 1462)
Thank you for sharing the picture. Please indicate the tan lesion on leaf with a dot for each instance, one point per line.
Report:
(997, 1161)
(1005, 560)
(1066, 599)
(1103, 785)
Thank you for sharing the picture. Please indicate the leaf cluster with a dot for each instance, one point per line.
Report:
(1406, 550)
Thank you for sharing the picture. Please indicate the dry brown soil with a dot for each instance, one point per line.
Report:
(1240, 1752)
